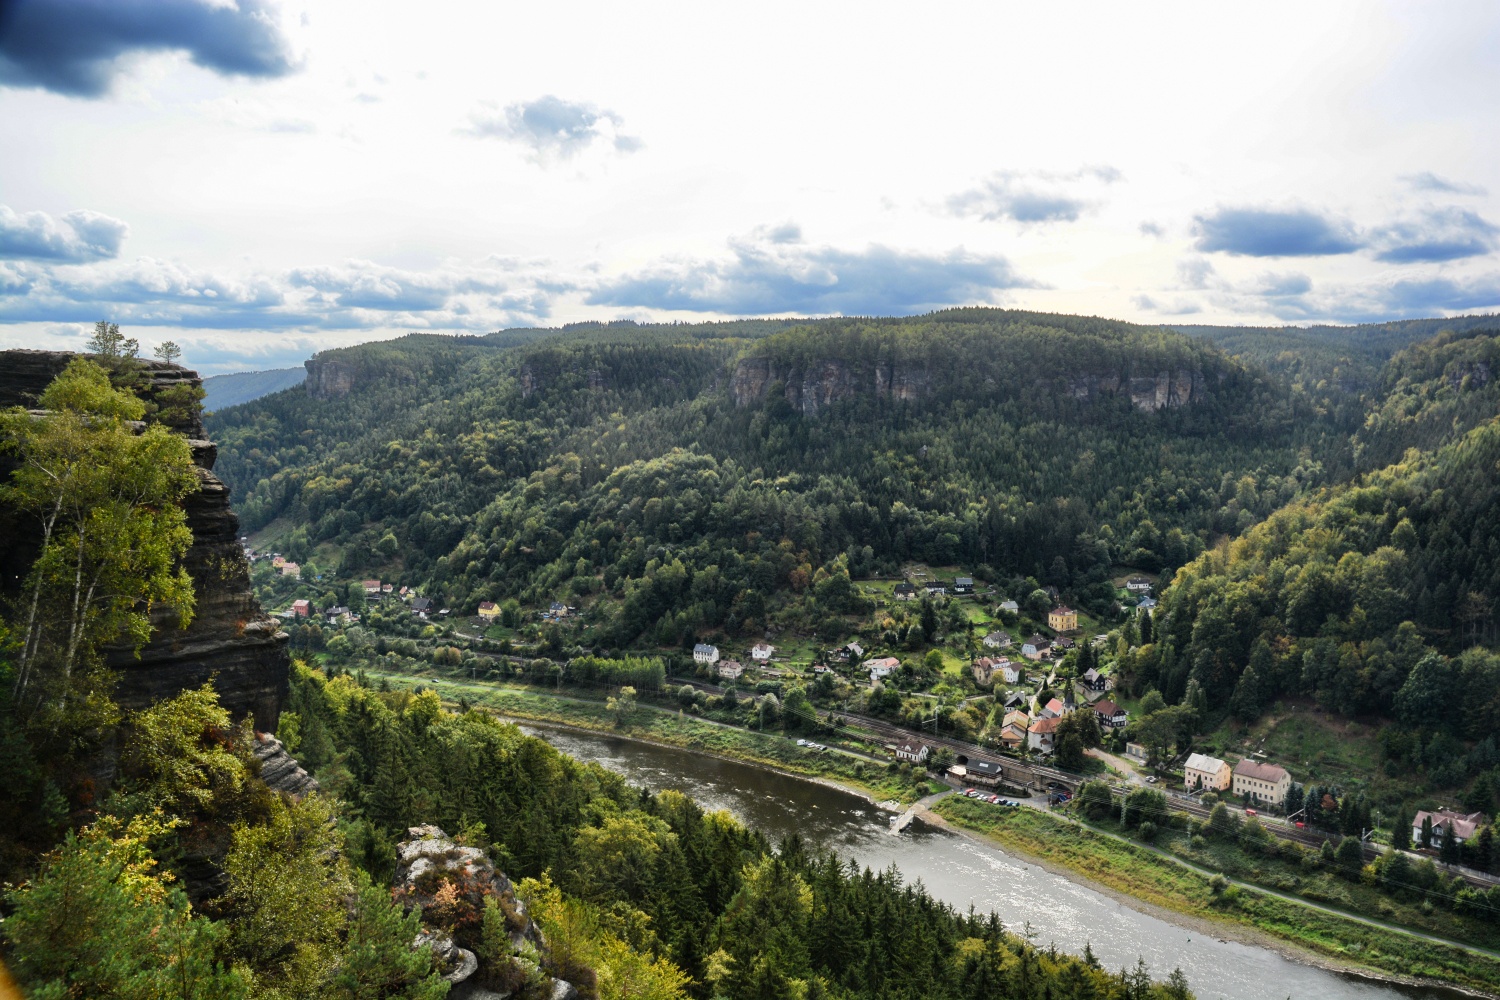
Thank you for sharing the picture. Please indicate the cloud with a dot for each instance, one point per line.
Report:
(1439, 234)
(1033, 197)
(552, 128)
(77, 237)
(1149, 228)
(1428, 181)
(1177, 307)
(1280, 286)
(354, 295)
(765, 278)
(1261, 232)
(78, 47)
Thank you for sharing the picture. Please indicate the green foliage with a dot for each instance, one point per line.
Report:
(105, 504)
(378, 959)
(100, 920)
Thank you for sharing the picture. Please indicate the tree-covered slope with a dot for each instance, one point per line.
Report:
(1344, 594)
(224, 391)
(666, 474)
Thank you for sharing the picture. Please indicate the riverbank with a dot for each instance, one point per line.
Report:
(868, 777)
(1144, 880)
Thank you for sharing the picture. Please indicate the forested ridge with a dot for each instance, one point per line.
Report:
(591, 463)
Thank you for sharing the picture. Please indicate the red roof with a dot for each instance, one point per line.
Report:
(1260, 772)
(1044, 725)
(1106, 708)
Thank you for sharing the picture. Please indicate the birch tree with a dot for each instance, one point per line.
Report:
(106, 501)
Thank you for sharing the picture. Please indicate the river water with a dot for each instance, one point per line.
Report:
(961, 872)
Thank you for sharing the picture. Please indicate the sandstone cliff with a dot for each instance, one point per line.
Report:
(812, 386)
(450, 885)
(231, 639)
(329, 377)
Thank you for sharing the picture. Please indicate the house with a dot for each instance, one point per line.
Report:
(904, 592)
(372, 588)
(987, 670)
(1013, 736)
(292, 570)
(1054, 709)
(277, 562)
(883, 667)
(963, 585)
(1205, 772)
(730, 670)
(704, 653)
(1010, 606)
(557, 609)
(983, 772)
(1110, 715)
(1063, 642)
(1037, 648)
(935, 587)
(386, 588)
(855, 650)
(998, 640)
(1016, 699)
(1041, 734)
(489, 609)
(1062, 619)
(1262, 783)
(762, 651)
(421, 605)
(1460, 826)
(404, 593)
(914, 752)
(822, 668)
(1138, 585)
(1146, 603)
(1093, 680)
(302, 608)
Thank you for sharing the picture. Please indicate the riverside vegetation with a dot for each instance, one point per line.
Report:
(185, 876)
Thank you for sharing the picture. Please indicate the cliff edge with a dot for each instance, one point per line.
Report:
(231, 639)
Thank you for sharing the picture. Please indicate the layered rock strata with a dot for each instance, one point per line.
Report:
(231, 640)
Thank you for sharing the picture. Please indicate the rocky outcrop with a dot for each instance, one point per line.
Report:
(815, 385)
(231, 640)
(450, 884)
(1164, 390)
(279, 769)
(329, 377)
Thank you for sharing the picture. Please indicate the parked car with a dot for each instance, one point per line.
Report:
(802, 743)
(1151, 779)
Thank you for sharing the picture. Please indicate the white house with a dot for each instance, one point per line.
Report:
(729, 670)
(881, 668)
(762, 651)
(1041, 734)
(704, 653)
(1138, 585)
(998, 640)
(914, 752)
(1010, 606)
(1037, 647)
(1461, 826)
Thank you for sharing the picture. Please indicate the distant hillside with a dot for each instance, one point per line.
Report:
(677, 478)
(224, 391)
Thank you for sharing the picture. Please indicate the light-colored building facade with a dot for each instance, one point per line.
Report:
(1262, 783)
(1207, 773)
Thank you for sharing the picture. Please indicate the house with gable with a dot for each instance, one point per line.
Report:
(1062, 619)
(1037, 647)
(704, 653)
(998, 640)
(1110, 715)
(1461, 826)
(1261, 783)
(1209, 774)
(1042, 734)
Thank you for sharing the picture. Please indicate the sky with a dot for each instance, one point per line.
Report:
(258, 180)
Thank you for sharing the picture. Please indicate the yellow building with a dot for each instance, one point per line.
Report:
(489, 609)
(1062, 619)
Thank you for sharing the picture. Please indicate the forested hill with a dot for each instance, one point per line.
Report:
(1361, 593)
(631, 469)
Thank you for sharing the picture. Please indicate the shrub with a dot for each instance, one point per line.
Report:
(1148, 831)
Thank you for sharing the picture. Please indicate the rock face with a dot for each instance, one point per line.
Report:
(279, 769)
(813, 386)
(449, 884)
(330, 377)
(230, 640)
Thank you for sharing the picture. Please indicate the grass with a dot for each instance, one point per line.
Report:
(769, 749)
(1136, 871)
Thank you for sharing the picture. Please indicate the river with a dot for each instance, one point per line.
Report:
(961, 872)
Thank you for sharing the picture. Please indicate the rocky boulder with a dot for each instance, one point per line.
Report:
(458, 890)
